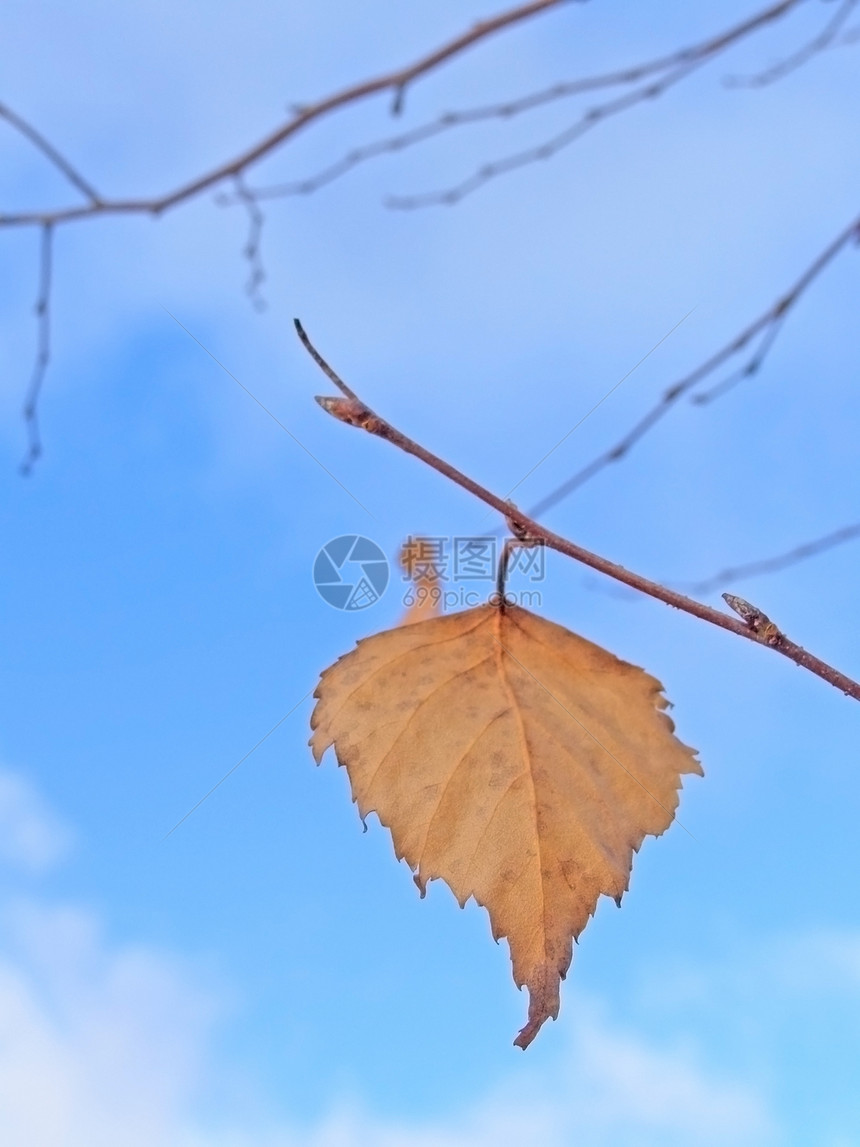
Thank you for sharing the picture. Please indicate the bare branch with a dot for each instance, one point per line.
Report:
(775, 564)
(503, 110)
(50, 152)
(750, 367)
(828, 37)
(354, 412)
(397, 82)
(252, 248)
(43, 350)
(652, 77)
(762, 326)
(546, 150)
(676, 67)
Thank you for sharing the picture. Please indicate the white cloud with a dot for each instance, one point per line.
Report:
(611, 1089)
(109, 1045)
(98, 1046)
(113, 1045)
(30, 836)
(106, 1046)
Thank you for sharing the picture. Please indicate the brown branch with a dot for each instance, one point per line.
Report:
(354, 412)
(762, 326)
(397, 81)
(775, 564)
(677, 67)
(50, 152)
(43, 350)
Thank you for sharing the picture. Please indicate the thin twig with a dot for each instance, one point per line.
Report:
(751, 367)
(505, 110)
(676, 68)
(50, 152)
(774, 564)
(828, 37)
(43, 350)
(546, 150)
(96, 207)
(323, 365)
(396, 81)
(771, 318)
(598, 404)
(511, 108)
(354, 412)
(252, 248)
(673, 67)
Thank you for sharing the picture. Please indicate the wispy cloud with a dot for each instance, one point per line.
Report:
(113, 1045)
(31, 837)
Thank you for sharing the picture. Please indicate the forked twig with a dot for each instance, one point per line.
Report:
(652, 77)
(351, 410)
(43, 349)
(669, 71)
(661, 71)
(765, 327)
(253, 245)
(397, 82)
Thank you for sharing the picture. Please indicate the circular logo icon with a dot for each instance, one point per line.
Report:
(351, 572)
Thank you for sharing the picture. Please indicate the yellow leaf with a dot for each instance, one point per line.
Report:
(512, 759)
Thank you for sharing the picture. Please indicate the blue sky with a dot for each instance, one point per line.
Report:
(267, 974)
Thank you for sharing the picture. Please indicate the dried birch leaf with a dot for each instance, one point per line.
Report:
(519, 763)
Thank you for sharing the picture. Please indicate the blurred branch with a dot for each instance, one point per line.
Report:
(828, 37)
(775, 564)
(681, 61)
(505, 110)
(50, 152)
(546, 150)
(43, 349)
(396, 82)
(764, 328)
(252, 249)
(651, 78)
(755, 626)
(674, 68)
